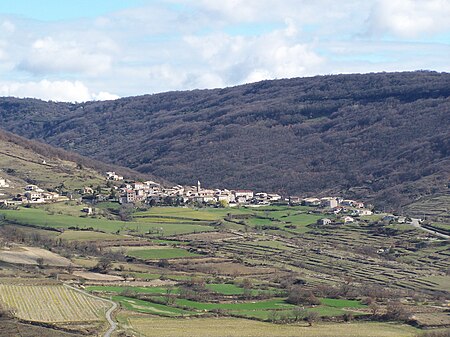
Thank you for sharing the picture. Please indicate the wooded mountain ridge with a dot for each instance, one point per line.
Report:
(382, 137)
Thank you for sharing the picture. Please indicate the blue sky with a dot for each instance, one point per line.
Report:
(78, 50)
(60, 10)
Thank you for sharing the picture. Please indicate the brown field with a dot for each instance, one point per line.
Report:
(30, 255)
(207, 237)
(436, 319)
(233, 327)
(96, 276)
(227, 269)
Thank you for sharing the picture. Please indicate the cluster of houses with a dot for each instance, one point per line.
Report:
(33, 195)
(154, 193)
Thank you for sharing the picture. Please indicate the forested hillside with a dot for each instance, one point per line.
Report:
(383, 136)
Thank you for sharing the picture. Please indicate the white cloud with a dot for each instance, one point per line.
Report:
(410, 18)
(187, 44)
(63, 91)
(104, 96)
(49, 56)
(8, 27)
(247, 59)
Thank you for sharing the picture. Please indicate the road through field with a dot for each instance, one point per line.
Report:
(113, 325)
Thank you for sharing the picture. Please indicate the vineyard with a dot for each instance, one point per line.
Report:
(48, 303)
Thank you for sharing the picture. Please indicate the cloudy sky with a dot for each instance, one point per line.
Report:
(79, 50)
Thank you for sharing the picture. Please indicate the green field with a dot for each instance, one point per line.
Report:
(225, 289)
(277, 303)
(159, 253)
(339, 303)
(39, 217)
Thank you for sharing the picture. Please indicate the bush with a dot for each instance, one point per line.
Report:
(297, 296)
(396, 311)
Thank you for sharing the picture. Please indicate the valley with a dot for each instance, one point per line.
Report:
(94, 249)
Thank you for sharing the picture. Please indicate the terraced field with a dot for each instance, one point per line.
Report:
(50, 303)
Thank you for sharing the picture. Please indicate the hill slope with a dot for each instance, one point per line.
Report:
(24, 161)
(383, 136)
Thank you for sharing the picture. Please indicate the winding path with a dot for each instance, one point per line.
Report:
(416, 223)
(113, 325)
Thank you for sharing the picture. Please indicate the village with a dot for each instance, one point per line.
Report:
(151, 193)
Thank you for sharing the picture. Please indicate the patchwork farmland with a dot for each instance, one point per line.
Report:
(169, 263)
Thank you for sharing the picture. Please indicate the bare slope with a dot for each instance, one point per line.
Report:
(384, 136)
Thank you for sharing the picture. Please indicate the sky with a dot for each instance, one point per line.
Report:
(81, 50)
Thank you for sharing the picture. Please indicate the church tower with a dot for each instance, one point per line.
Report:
(198, 186)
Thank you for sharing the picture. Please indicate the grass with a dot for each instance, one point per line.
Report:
(339, 303)
(261, 305)
(225, 289)
(160, 253)
(39, 217)
(181, 213)
(235, 327)
(149, 307)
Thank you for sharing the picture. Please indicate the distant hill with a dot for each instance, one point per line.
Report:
(24, 161)
(383, 137)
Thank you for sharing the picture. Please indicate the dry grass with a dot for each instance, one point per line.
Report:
(207, 237)
(30, 255)
(231, 327)
(97, 276)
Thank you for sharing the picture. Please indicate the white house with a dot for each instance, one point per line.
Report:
(3, 182)
(348, 219)
(363, 211)
(311, 202)
(244, 195)
(33, 188)
(113, 176)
